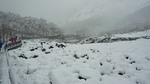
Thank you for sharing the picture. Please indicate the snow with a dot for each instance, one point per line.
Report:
(4, 78)
(135, 34)
(87, 9)
(117, 37)
(123, 62)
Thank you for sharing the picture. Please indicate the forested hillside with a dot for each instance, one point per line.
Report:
(12, 24)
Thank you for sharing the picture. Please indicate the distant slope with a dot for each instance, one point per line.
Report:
(97, 16)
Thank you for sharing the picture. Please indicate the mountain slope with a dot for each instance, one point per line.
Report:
(103, 15)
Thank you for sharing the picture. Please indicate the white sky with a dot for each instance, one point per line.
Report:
(47, 9)
(57, 10)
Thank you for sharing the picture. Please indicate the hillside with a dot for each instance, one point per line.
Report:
(95, 17)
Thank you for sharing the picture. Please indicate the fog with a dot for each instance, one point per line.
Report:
(47, 9)
(84, 16)
(111, 15)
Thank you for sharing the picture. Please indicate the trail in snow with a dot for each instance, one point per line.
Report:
(4, 74)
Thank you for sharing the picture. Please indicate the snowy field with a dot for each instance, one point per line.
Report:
(124, 62)
(135, 34)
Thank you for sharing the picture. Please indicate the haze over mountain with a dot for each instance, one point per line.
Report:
(86, 16)
(95, 16)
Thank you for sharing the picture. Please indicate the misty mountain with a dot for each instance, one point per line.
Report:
(95, 17)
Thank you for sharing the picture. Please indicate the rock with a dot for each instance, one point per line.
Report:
(80, 77)
(132, 62)
(35, 56)
(43, 49)
(22, 56)
(76, 56)
(47, 52)
(31, 49)
(36, 48)
(121, 73)
(51, 47)
(84, 55)
(60, 45)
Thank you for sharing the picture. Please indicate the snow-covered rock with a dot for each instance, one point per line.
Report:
(117, 37)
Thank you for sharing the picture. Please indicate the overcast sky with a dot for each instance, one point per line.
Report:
(59, 11)
(47, 9)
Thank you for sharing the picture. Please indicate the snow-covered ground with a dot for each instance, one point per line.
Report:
(4, 75)
(134, 34)
(117, 37)
(124, 62)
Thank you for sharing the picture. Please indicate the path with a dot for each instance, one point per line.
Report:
(4, 75)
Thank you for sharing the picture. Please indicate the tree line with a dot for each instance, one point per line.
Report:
(12, 24)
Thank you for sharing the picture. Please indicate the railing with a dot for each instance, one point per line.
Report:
(12, 45)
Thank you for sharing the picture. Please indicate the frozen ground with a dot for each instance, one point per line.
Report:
(125, 62)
